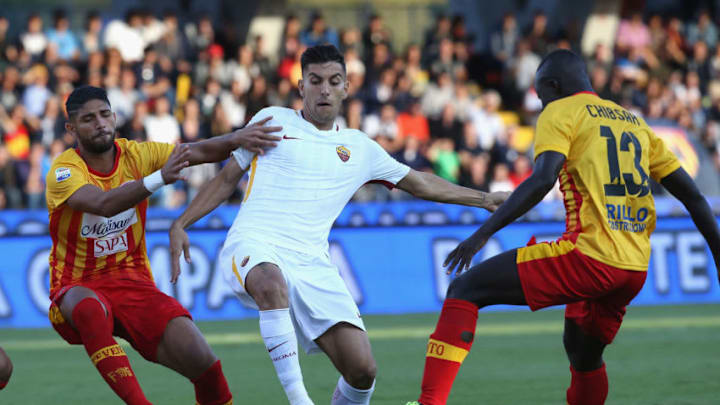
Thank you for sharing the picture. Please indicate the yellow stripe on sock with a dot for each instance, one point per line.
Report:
(445, 351)
(105, 352)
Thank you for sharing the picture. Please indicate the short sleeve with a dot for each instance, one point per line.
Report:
(553, 131)
(153, 155)
(662, 160)
(385, 169)
(63, 180)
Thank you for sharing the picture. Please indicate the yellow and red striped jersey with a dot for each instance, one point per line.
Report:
(611, 154)
(87, 246)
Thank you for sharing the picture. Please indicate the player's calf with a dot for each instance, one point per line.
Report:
(6, 368)
(185, 350)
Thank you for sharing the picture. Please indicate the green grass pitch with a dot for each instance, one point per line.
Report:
(662, 355)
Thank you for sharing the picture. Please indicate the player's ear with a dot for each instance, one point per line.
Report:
(346, 88)
(301, 88)
(69, 126)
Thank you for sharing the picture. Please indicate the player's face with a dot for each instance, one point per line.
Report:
(323, 88)
(94, 126)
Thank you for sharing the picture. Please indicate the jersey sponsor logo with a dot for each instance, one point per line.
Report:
(61, 174)
(111, 245)
(95, 226)
(343, 153)
(289, 137)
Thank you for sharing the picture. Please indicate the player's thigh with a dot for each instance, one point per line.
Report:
(348, 347)
(184, 349)
(73, 296)
(494, 281)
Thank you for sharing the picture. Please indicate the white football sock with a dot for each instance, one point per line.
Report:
(345, 394)
(278, 333)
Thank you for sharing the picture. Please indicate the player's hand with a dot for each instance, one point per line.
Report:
(179, 243)
(179, 159)
(462, 255)
(495, 199)
(256, 138)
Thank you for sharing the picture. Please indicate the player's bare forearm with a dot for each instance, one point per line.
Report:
(256, 138)
(528, 194)
(682, 187)
(93, 200)
(211, 194)
(428, 186)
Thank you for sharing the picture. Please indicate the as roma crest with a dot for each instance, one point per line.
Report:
(343, 153)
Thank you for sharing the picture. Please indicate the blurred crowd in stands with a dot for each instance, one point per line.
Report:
(437, 105)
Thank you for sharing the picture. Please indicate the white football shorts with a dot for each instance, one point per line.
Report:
(317, 294)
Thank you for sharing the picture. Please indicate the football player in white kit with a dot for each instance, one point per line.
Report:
(276, 255)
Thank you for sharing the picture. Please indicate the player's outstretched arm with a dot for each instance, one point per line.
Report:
(433, 188)
(93, 200)
(527, 195)
(682, 187)
(209, 197)
(255, 138)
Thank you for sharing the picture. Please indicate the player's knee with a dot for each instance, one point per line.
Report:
(270, 294)
(361, 376)
(459, 290)
(6, 367)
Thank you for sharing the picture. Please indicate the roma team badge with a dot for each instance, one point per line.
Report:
(343, 153)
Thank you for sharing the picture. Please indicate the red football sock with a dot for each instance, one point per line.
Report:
(448, 346)
(588, 387)
(95, 329)
(3, 384)
(211, 387)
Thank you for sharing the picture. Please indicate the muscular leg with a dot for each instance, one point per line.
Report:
(6, 368)
(89, 317)
(266, 284)
(184, 349)
(348, 348)
(494, 281)
(589, 385)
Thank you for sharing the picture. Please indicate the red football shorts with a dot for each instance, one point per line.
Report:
(139, 310)
(596, 294)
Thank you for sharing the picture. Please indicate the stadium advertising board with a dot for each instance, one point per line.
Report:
(390, 256)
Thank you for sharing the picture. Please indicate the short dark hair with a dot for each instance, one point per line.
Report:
(321, 54)
(82, 95)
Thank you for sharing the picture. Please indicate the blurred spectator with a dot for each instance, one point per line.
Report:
(438, 95)
(10, 195)
(447, 125)
(413, 124)
(126, 37)
(33, 40)
(62, 38)
(135, 128)
(704, 30)
(487, 123)
(200, 35)
(383, 128)
(375, 33)
(234, 104)
(524, 66)
(413, 156)
(160, 125)
(52, 122)
(192, 128)
(91, 41)
(318, 32)
(34, 186)
(172, 44)
(522, 169)
(16, 132)
(445, 160)
(633, 33)
(257, 98)
(538, 38)
(476, 175)
(503, 41)
(123, 97)
(441, 30)
(37, 93)
(501, 179)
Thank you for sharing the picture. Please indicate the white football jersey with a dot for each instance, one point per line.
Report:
(296, 190)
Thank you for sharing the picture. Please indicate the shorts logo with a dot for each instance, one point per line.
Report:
(244, 261)
(343, 153)
(62, 173)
